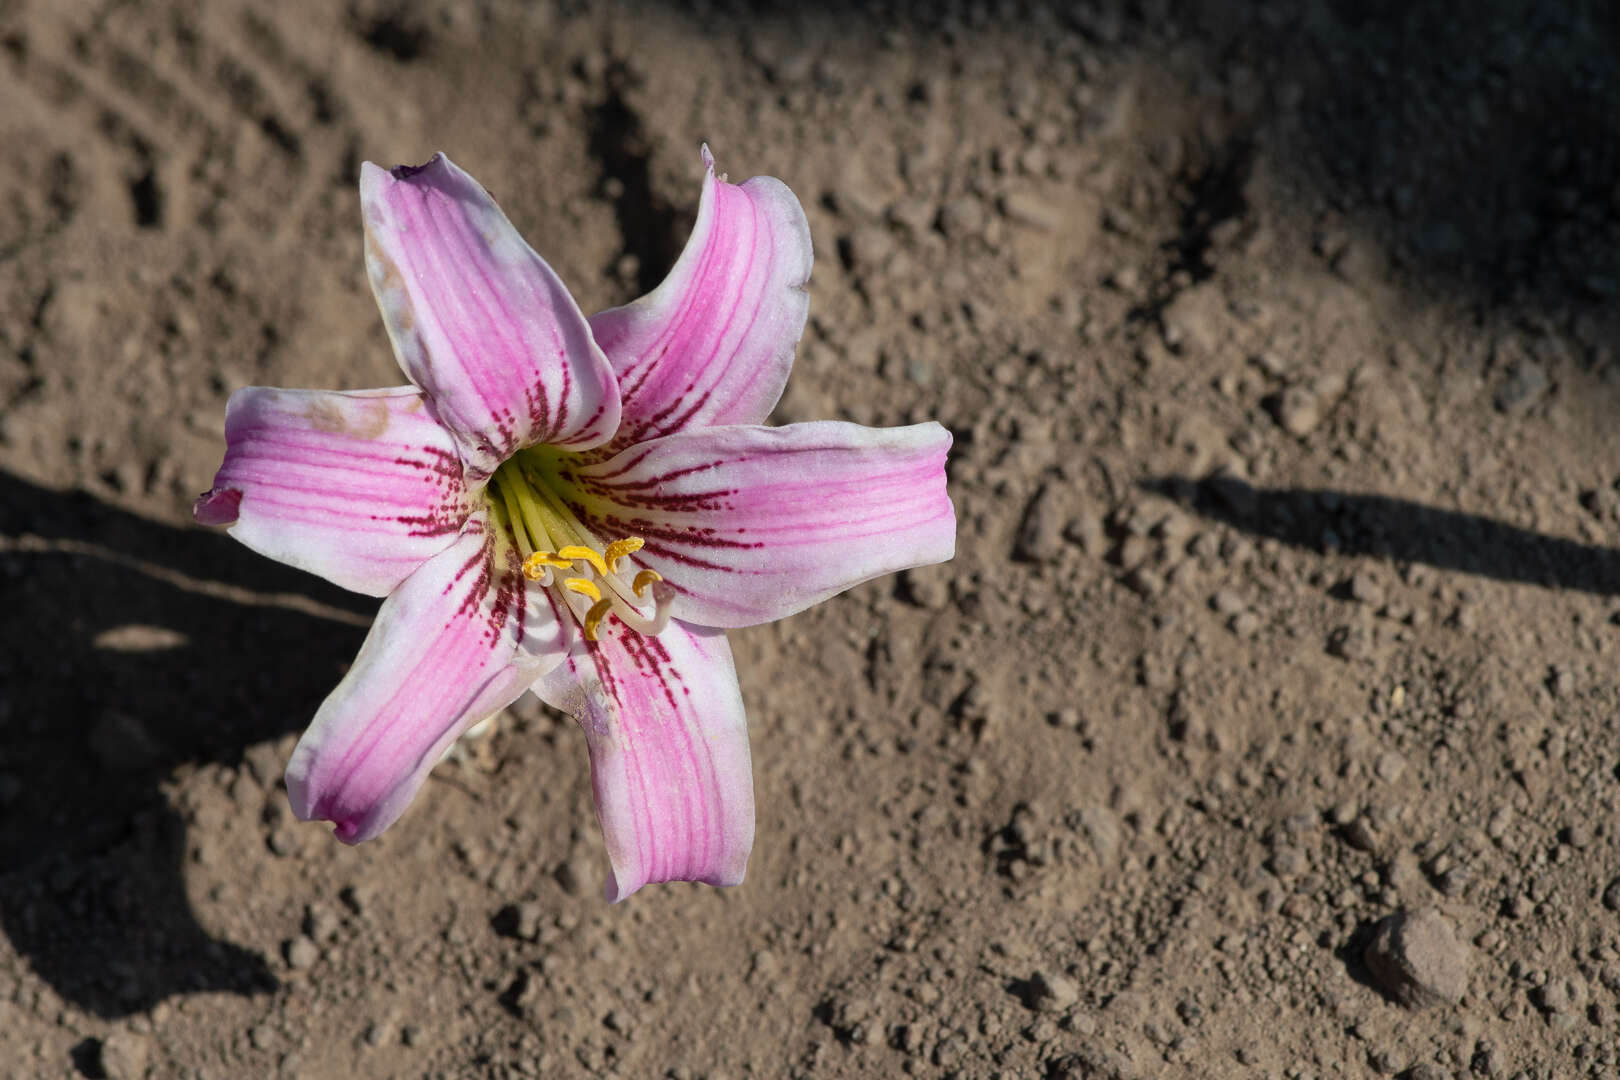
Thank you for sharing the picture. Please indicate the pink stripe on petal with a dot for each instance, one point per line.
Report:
(478, 320)
(361, 488)
(750, 524)
(668, 740)
(462, 638)
(713, 344)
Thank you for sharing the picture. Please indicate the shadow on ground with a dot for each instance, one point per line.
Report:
(1478, 143)
(131, 649)
(1326, 521)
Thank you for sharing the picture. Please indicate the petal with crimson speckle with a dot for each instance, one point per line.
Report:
(668, 740)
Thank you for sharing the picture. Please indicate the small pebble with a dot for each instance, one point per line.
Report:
(1391, 767)
(1564, 994)
(1526, 385)
(285, 841)
(1287, 862)
(1049, 992)
(1087, 531)
(301, 953)
(321, 923)
(572, 875)
(124, 1055)
(1416, 959)
(926, 587)
(1427, 1071)
(1027, 209)
(1245, 624)
(1038, 538)
(1364, 589)
(1297, 410)
(961, 218)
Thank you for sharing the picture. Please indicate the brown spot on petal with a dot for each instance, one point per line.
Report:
(387, 280)
(367, 420)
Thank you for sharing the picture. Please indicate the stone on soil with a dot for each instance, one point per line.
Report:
(1416, 959)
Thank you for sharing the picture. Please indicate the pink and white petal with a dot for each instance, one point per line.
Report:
(478, 320)
(668, 740)
(361, 488)
(462, 638)
(750, 524)
(713, 343)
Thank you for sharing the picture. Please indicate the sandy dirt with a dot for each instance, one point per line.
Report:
(1279, 345)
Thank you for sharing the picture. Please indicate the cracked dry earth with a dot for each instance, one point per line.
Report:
(1263, 726)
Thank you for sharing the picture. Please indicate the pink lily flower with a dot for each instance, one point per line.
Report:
(576, 507)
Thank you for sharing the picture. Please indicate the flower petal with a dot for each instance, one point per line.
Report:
(669, 752)
(750, 524)
(462, 638)
(714, 342)
(360, 488)
(478, 320)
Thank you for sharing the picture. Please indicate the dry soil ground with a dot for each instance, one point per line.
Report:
(1279, 342)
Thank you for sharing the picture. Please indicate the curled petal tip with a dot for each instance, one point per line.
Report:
(405, 172)
(374, 173)
(347, 831)
(708, 158)
(221, 506)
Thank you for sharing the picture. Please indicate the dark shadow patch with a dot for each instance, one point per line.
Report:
(146, 196)
(86, 1058)
(619, 145)
(1352, 954)
(1326, 522)
(397, 30)
(132, 649)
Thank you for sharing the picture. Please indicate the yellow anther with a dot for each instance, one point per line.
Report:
(583, 587)
(644, 579)
(534, 565)
(574, 551)
(594, 617)
(620, 548)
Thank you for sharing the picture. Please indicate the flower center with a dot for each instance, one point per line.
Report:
(559, 553)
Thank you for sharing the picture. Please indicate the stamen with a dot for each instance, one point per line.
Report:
(560, 520)
(574, 551)
(535, 566)
(560, 553)
(514, 514)
(619, 549)
(594, 617)
(584, 587)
